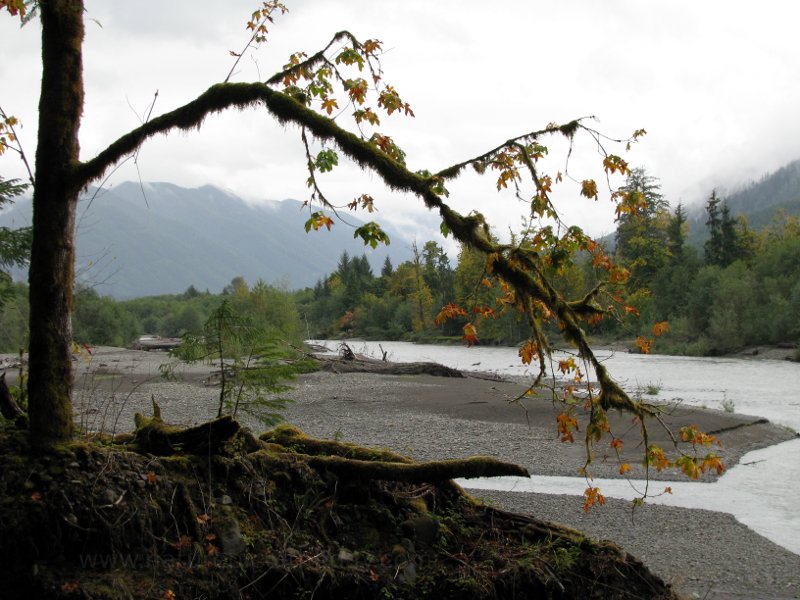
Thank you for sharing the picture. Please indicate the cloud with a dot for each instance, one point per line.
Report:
(713, 82)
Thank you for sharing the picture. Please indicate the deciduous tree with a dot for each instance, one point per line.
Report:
(305, 93)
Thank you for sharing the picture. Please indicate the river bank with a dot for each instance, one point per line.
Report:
(706, 554)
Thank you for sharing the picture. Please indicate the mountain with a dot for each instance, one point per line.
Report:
(157, 238)
(759, 201)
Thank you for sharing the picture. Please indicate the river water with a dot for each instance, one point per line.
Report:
(761, 491)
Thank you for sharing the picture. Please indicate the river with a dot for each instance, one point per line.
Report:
(761, 491)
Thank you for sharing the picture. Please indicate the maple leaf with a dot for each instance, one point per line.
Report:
(712, 461)
(328, 104)
(619, 274)
(656, 457)
(449, 311)
(568, 365)
(644, 344)
(689, 466)
(613, 163)
(151, 478)
(593, 496)
(528, 351)
(631, 310)
(661, 327)
(566, 423)
(484, 311)
(317, 221)
(624, 468)
(372, 46)
(589, 188)
(470, 334)
(616, 443)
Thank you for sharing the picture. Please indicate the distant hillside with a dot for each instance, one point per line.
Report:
(134, 241)
(759, 201)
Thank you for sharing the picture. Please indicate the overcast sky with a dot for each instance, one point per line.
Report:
(715, 83)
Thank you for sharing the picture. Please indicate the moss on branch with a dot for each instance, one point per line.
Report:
(428, 472)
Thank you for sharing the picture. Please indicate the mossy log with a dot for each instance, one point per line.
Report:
(294, 439)
(154, 436)
(428, 472)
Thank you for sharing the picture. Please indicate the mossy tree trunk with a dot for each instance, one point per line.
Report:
(55, 199)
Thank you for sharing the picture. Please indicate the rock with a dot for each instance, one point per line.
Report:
(346, 555)
(229, 535)
(408, 574)
(422, 529)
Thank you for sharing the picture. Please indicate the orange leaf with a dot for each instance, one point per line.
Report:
(593, 496)
(631, 310)
(644, 344)
(566, 423)
(565, 366)
(624, 468)
(449, 311)
(528, 351)
(661, 327)
(616, 443)
(470, 334)
(151, 478)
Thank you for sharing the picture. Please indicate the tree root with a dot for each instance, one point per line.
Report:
(349, 461)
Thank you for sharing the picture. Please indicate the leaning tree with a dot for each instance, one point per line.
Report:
(304, 94)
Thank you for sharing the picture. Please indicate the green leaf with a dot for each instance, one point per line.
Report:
(372, 234)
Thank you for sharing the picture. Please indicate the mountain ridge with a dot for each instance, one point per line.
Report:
(137, 240)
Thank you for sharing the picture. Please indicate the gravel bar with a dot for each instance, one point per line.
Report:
(704, 554)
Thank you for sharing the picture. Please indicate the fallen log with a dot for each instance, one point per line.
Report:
(387, 368)
(427, 472)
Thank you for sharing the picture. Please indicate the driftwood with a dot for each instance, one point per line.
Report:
(157, 343)
(360, 365)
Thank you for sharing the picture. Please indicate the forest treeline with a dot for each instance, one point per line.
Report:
(741, 288)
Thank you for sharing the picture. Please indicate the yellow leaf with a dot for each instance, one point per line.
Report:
(328, 104)
(589, 188)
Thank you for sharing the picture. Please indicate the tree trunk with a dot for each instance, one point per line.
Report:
(55, 199)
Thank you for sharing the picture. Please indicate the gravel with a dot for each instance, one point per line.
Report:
(704, 554)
